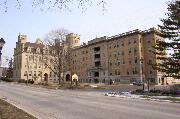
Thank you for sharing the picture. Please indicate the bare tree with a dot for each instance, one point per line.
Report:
(58, 52)
(55, 4)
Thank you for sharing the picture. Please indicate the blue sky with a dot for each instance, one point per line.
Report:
(121, 16)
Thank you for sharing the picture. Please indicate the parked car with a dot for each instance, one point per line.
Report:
(137, 83)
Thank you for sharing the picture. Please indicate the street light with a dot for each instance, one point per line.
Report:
(2, 42)
(142, 79)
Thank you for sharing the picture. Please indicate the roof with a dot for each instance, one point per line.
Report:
(34, 45)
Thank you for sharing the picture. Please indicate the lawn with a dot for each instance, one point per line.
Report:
(8, 111)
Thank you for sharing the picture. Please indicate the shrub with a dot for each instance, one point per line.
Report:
(139, 91)
(154, 91)
(25, 81)
(6, 79)
(174, 89)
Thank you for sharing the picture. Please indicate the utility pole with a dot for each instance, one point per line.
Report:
(27, 69)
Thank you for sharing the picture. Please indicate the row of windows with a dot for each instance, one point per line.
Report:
(134, 72)
(39, 73)
(117, 72)
(29, 50)
(118, 63)
(117, 44)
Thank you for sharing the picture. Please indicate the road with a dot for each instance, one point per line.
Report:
(69, 104)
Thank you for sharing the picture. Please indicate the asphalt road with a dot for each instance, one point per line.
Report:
(68, 104)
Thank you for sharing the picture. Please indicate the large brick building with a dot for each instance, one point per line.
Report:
(122, 58)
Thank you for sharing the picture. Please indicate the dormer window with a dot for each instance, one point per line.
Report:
(37, 50)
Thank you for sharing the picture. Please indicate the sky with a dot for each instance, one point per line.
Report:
(120, 16)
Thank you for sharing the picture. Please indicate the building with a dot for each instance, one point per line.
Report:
(28, 61)
(121, 58)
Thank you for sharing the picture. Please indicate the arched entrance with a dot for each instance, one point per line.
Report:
(45, 77)
(96, 80)
(68, 78)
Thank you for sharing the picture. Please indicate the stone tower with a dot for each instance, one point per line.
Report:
(73, 40)
(22, 38)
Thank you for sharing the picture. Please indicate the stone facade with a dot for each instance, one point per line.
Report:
(28, 61)
(121, 58)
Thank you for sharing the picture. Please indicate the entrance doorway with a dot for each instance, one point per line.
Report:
(68, 78)
(162, 81)
(45, 77)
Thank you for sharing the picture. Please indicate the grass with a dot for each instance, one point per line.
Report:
(8, 111)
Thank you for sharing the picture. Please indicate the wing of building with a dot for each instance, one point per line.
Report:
(121, 58)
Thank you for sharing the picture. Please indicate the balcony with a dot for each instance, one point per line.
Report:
(96, 49)
(97, 57)
(97, 64)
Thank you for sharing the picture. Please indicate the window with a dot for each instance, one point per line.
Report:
(114, 54)
(37, 50)
(34, 73)
(150, 72)
(25, 73)
(96, 49)
(39, 58)
(149, 50)
(39, 73)
(122, 44)
(135, 50)
(119, 53)
(134, 41)
(76, 41)
(110, 63)
(116, 72)
(123, 61)
(135, 61)
(150, 61)
(50, 74)
(29, 49)
(119, 63)
(97, 64)
(55, 73)
(96, 56)
(119, 72)
(30, 73)
(123, 53)
(115, 63)
(127, 72)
